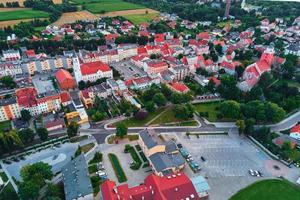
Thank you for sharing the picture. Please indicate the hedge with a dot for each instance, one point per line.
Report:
(117, 168)
(137, 161)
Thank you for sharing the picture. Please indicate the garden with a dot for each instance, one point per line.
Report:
(120, 174)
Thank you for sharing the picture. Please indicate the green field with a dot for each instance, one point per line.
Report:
(22, 14)
(6, 125)
(138, 19)
(133, 122)
(210, 108)
(111, 6)
(168, 117)
(269, 190)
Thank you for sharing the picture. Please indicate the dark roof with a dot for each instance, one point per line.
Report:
(294, 47)
(5, 102)
(170, 146)
(163, 161)
(76, 179)
(147, 138)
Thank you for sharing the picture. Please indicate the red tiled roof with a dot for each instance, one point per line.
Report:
(27, 97)
(62, 75)
(142, 80)
(94, 67)
(203, 36)
(263, 66)
(144, 33)
(216, 81)
(180, 87)
(30, 53)
(159, 38)
(65, 97)
(142, 50)
(111, 36)
(157, 64)
(295, 129)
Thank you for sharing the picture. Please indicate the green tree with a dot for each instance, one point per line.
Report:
(37, 172)
(42, 133)
(121, 130)
(150, 106)
(249, 126)
(241, 126)
(184, 111)
(29, 190)
(72, 129)
(228, 88)
(25, 115)
(230, 109)
(8, 81)
(98, 116)
(159, 99)
(274, 112)
(26, 135)
(10, 141)
(81, 85)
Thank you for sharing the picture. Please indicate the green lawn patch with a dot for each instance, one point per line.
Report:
(22, 14)
(86, 148)
(117, 168)
(208, 108)
(6, 125)
(133, 122)
(268, 189)
(92, 169)
(98, 157)
(111, 6)
(168, 119)
(113, 138)
(135, 157)
(141, 18)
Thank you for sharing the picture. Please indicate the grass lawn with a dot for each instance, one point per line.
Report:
(86, 148)
(112, 6)
(168, 118)
(133, 122)
(268, 189)
(6, 125)
(138, 19)
(117, 168)
(22, 14)
(210, 108)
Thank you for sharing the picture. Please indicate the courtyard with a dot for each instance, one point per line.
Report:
(128, 70)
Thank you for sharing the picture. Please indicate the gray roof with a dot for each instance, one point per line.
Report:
(76, 179)
(164, 161)
(5, 102)
(170, 146)
(294, 47)
(148, 140)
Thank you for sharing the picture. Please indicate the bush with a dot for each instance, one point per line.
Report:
(137, 161)
(138, 147)
(98, 157)
(117, 168)
(143, 156)
(92, 169)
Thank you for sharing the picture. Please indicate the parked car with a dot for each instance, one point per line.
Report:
(251, 172)
(257, 173)
(190, 159)
(179, 145)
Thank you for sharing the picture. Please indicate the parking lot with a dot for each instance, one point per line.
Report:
(227, 162)
(128, 70)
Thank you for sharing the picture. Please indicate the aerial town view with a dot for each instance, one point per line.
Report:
(149, 99)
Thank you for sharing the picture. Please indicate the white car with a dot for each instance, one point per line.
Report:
(257, 173)
(190, 159)
(251, 172)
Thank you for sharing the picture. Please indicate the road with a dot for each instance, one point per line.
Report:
(100, 132)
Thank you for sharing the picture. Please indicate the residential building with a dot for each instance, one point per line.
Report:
(155, 66)
(293, 49)
(179, 87)
(76, 179)
(10, 69)
(176, 186)
(164, 157)
(11, 55)
(295, 132)
(9, 109)
(64, 79)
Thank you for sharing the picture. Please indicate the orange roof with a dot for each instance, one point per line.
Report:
(61, 75)
(295, 129)
(180, 87)
(65, 97)
(94, 67)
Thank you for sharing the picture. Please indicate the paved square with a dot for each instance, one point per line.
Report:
(128, 70)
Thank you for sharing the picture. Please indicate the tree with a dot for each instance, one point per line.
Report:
(241, 126)
(8, 81)
(150, 106)
(159, 99)
(121, 130)
(25, 115)
(249, 126)
(42, 133)
(184, 111)
(230, 109)
(274, 112)
(10, 141)
(239, 70)
(141, 114)
(98, 116)
(81, 85)
(52, 191)
(72, 129)
(29, 190)
(219, 49)
(26, 135)
(37, 172)
(228, 88)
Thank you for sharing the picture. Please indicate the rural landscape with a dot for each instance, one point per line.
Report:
(149, 100)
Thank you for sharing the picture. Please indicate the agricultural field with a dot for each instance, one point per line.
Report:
(22, 1)
(141, 18)
(111, 6)
(72, 17)
(269, 189)
(22, 14)
(125, 13)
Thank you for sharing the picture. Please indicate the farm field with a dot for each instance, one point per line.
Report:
(140, 18)
(125, 13)
(111, 6)
(268, 189)
(22, 14)
(22, 1)
(72, 17)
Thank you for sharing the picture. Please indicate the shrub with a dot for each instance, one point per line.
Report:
(117, 168)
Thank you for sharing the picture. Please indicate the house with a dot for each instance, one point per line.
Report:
(76, 179)
(176, 186)
(164, 157)
(9, 109)
(11, 55)
(64, 79)
(179, 87)
(52, 122)
(154, 66)
(143, 82)
(295, 132)
(159, 38)
(293, 49)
